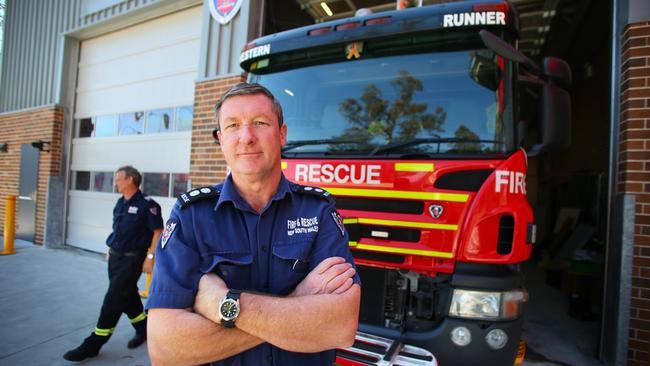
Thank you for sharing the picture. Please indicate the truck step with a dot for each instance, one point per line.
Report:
(369, 349)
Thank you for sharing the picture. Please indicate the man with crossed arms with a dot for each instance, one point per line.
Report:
(255, 270)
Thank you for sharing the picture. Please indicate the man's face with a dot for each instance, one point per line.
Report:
(122, 181)
(251, 138)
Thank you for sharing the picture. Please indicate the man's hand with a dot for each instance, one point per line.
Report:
(211, 290)
(332, 275)
(147, 265)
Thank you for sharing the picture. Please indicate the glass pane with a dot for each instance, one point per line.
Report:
(132, 123)
(184, 118)
(156, 184)
(106, 126)
(81, 181)
(431, 103)
(160, 120)
(179, 183)
(103, 182)
(86, 127)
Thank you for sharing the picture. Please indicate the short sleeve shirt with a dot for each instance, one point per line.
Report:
(134, 221)
(268, 252)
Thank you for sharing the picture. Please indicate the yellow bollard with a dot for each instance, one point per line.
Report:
(145, 293)
(10, 225)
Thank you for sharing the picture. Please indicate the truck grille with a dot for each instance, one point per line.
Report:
(373, 350)
(379, 205)
(358, 231)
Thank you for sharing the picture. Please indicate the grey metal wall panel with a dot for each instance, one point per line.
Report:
(33, 33)
(30, 58)
(221, 44)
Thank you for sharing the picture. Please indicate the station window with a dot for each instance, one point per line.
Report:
(184, 119)
(85, 127)
(81, 181)
(155, 184)
(132, 123)
(180, 183)
(103, 182)
(160, 120)
(136, 123)
(106, 126)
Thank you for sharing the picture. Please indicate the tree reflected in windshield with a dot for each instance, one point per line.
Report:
(401, 119)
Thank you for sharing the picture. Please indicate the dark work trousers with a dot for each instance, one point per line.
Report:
(122, 295)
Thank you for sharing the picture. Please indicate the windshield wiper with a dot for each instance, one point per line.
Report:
(294, 144)
(430, 140)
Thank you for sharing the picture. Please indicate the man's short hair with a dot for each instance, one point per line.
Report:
(249, 89)
(132, 172)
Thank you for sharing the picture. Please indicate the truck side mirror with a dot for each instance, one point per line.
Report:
(555, 107)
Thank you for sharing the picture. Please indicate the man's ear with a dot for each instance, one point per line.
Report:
(283, 135)
(217, 136)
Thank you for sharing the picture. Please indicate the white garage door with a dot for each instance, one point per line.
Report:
(134, 107)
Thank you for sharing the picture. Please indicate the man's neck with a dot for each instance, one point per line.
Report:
(257, 192)
(128, 194)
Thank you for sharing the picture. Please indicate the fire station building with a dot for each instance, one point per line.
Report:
(88, 86)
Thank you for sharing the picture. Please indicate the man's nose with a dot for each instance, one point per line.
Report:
(247, 135)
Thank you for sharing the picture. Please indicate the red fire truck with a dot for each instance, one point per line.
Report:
(411, 119)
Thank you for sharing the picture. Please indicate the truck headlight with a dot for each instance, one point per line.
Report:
(487, 305)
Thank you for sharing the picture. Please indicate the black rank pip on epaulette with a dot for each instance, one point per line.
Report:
(314, 191)
(197, 194)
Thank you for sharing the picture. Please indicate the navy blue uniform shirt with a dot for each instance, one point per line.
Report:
(269, 252)
(134, 221)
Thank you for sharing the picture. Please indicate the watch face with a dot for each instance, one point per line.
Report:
(229, 309)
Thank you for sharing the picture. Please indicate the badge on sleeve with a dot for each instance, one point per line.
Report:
(167, 233)
(338, 222)
(154, 211)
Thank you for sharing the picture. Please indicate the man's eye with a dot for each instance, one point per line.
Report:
(260, 123)
(231, 126)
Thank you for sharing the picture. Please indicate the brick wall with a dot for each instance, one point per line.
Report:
(634, 177)
(22, 128)
(207, 166)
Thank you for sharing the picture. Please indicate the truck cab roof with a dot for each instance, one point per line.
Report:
(477, 14)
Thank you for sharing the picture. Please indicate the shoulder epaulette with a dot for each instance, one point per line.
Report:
(197, 194)
(314, 191)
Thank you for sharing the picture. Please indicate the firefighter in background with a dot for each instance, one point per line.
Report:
(137, 224)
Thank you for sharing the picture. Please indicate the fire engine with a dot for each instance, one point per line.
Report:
(411, 120)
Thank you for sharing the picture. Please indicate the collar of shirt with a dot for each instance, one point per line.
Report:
(136, 196)
(229, 193)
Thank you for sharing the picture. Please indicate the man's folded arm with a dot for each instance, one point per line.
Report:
(182, 337)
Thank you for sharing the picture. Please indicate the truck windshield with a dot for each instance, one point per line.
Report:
(425, 104)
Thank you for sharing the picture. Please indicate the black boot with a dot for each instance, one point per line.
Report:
(89, 348)
(140, 334)
(137, 340)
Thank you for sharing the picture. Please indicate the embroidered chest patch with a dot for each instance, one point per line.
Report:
(133, 209)
(302, 225)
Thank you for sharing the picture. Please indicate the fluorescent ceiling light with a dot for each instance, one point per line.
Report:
(326, 8)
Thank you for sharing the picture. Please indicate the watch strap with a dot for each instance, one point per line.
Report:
(233, 295)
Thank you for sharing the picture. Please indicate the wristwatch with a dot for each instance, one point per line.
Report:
(149, 255)
(229, 308)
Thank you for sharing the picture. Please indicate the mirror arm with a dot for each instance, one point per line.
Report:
(503, 49)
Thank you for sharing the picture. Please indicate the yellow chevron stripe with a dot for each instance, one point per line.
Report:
(378, 248)
(382, 193)
(104, 332)
(413, 167)
(413, 224)
(139, 318)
